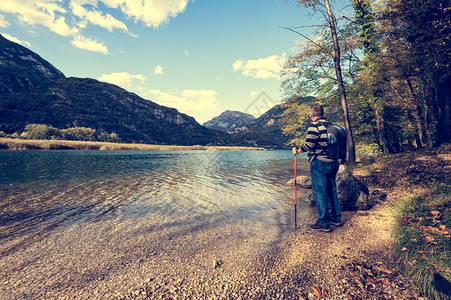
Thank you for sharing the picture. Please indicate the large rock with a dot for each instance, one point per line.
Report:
(301, 181)
(352, 193)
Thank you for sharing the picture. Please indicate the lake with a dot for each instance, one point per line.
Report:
(100, 222)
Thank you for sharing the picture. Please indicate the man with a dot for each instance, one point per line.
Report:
(322, 171)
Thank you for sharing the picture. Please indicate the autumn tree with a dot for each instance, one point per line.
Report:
(318, 69)
(423, 29)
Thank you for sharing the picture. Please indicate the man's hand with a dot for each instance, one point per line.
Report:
(296, 150)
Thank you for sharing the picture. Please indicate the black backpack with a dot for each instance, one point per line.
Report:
(336, 142)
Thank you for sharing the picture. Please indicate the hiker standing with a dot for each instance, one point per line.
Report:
(323, 171)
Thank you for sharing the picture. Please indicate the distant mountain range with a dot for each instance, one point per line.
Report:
(34, 91)
(228, 120)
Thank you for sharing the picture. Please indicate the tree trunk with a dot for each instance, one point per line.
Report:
(382, 133)
(431, 110)
(341, 87)
(419, 114)
(444, 108)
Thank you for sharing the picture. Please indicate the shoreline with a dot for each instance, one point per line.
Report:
(21, 144)
(355, 261)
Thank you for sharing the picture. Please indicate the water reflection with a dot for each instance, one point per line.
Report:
(39, 185)
(67, 206)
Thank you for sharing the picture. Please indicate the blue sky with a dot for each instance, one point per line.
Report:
(201, 57)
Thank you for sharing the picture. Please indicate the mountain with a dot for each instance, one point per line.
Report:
(229, 120)
(33, 91)
(21, 68)
(266, 130)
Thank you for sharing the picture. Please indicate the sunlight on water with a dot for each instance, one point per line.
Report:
(121, 199)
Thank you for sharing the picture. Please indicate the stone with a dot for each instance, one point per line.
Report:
(352, 194)
(301, 181)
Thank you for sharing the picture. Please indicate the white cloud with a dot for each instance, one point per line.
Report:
(191, 102)
(95, 17)
(263, 68)
(253, 94)
(131, 82)
(16, 40)
(47, 13)
(85, 43)
(3, 22)
(158, 70)
(152, 12)
(187, 53)
(237, 65)
(70, 22)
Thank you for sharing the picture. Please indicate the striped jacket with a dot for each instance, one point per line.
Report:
(316, 141)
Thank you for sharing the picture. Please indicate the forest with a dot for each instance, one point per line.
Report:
(386, 67)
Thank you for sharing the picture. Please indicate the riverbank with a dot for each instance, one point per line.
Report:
(103, 242)
(367, 258)
(21, 144)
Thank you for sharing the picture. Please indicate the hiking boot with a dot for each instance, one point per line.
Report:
(336, 224)
(317, 226)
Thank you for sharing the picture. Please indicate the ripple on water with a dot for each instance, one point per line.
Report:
(136, 202)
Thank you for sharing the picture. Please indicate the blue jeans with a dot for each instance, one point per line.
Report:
(325, 191)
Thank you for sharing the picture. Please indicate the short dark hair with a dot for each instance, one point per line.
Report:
(316, 110)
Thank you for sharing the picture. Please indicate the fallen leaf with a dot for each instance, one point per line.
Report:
(386, 281)
(442, 227)
(385, 270)
(404, 249)
(435, 212)
(429, 238)
(349, 296)
(316, 292)
(300, 297)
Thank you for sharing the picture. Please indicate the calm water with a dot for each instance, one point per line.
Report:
(35, 184)
(49, 198)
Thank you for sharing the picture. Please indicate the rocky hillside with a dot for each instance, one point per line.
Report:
(33, 91)
(22, 69)
(229, 120)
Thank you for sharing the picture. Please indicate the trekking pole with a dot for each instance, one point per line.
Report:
(295, 196)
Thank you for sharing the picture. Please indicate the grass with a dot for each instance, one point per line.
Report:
(422, 235)
(21, 144)
(423, 241)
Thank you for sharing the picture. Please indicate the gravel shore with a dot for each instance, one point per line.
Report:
(218, 258)
(352, 262)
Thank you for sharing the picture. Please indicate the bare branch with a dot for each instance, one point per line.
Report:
(307, 38)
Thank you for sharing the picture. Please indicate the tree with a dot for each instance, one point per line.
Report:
(40, 132)
(322, 54)
(424, 28)
(371, 79)
(79, 134)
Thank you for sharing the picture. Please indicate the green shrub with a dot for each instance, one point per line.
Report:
(78, 134)
(40, 132)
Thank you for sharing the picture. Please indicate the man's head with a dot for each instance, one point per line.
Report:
(316, 111)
